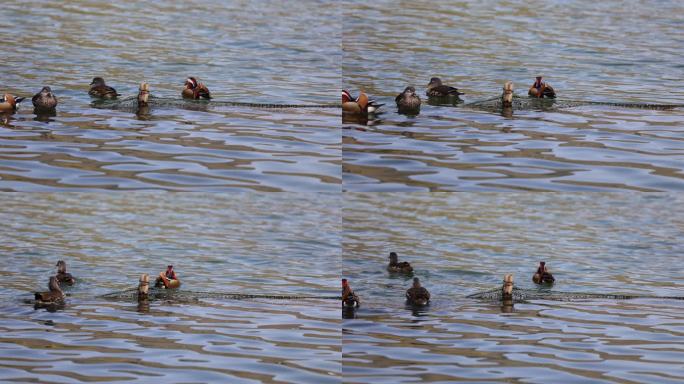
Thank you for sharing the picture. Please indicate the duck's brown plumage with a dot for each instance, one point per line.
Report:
(44, 99)
(195, 90)
(9, 103)
(54, 295)
(542, 275)
(98, 88)
(408, 100)
(435, 88)
(396, 266)
(417, 294)
(541, 89)
(349, 298)
(63, 277)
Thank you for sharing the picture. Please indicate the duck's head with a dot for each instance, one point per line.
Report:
(434, 82)
(97, 81)
(191, 82)
(542, 267)
(507, 288)
(416, 282)
(144, 285)
(46, 91)
(53, 284)
(507, 96)
(393, 257)
(345, 284)
(143, 93)
(346, 96)
(61, 266)
(409, 91)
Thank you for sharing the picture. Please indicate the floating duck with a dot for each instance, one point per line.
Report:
(349, 298)
(540, 89)
(44, 99)
(435, 88)
(9, 103)
(54, 296)
(507, 96)
(408, 100)
(143, 287)
(361, 105)
(167, 279)
(507, 288)
(395, 266)
(195, 90)
(417, 295)
(543, 276)
(62, 275)
(98, 88)
(143, 94)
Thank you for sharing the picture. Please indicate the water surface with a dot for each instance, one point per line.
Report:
(593, 51)
(461, 244)
(265, 244)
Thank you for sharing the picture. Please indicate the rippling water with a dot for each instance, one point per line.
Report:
(244, 51)
(261, 244)
(460, 244)
(594, 51)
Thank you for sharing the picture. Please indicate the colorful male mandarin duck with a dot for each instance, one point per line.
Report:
(507, 96)
(507, 288)
(9, 103)
(435, 88)
(62, 275)
(349, 298)
(44, 99)
(543, 276)
(395, 266)
(417, 295)
(168, 279)
(408, 100)
(361, 105)
(54, 296)
(143, 94)
(98, 88)
(195, 90)
(540, 89)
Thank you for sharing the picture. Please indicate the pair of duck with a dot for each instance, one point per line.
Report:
(44, 100)
(408, 100)
(55, 295)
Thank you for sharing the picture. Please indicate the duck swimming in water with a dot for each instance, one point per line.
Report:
(9, 103)
(167, 279)
(408, 100)
(543, 276)
(359, 106)
(62, 275)
(98, 88)
(54, 296)
(44, 99)
(417, 295)
(349, 298)
(195, 90)
(395, 266)
(435, 88)
(540, 89)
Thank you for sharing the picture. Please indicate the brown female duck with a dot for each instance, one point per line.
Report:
(417, 295)
(435, 88)
(194, 90)
(98, 88)
(44, 99)
(543, 276)
(408, 100)
(62, 275)
(395, 266)
(540, 89)
(9, 103)
(360, 106)
(349, 298)
(54, 296)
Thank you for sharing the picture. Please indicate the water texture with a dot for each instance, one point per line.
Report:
(591, 51)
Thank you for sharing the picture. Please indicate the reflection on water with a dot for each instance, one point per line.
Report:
(246, 243)
(461, 244)
(597, 51)
(244, 51)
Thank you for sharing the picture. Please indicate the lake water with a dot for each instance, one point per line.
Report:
(460, 244)
(267, 244)
(592, 51)
(244, 51)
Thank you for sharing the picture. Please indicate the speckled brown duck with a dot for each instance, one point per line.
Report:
(435, 88)
(193, 89)
(542, 275)
(541, 89)
(9, 103)
(99, 89)
(417, 294)
(63, 277)
(349, 298)
(398, 267)
(45, 99)
(53, 296)
(408, 101)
